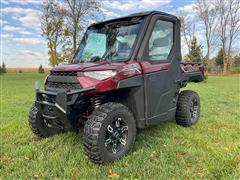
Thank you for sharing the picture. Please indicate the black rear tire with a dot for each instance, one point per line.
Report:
(109, 133)
(188, 108)
(39, 126)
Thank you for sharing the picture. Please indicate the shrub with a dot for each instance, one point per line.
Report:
(41, 69)
(4, 69)
(234, 70)
(19, 71)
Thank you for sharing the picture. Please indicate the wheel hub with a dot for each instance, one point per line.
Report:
(194, 109)
(116, 136)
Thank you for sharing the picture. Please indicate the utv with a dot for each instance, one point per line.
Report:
(126, 74)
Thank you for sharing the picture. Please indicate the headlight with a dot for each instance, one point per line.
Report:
(100, 75)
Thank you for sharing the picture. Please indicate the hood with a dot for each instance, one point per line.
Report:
(88, 66)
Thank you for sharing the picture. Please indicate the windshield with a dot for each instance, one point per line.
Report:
(112, 42)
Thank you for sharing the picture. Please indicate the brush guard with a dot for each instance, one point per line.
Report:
(55, 106)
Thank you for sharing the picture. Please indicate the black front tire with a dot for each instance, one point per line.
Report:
(103, 144)
(39, 126)
(188, 108)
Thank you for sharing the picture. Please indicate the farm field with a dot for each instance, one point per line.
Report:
(25, 70)
(208, 150)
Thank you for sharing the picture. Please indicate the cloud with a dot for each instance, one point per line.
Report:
(33, 41)
(22, 2)
(190, 8)
(133, 5)
(31, 53)
(7, 36)
(16, 10)
(153, 3)
(28, 17)
(31, 20)
(3, 22)
(124, 6)
(109, 13)
(119, 5)
(18, 30)
(23, 58)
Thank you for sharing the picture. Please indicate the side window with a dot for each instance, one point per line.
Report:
(161, 41)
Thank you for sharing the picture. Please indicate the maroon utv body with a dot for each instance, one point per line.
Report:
(126, 74)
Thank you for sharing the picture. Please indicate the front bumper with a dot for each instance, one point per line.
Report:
(55, 107)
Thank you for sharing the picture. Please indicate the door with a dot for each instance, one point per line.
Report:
(161, 68)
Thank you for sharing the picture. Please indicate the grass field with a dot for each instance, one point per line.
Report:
(25, 70)
(209, 150)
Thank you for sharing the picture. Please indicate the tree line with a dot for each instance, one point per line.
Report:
(221, 22)
(3, 69)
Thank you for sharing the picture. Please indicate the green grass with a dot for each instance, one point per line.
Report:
(209, 150)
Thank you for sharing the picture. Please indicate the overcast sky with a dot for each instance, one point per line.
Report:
(21, 41)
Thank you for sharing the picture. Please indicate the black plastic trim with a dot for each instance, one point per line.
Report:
(62, 79)
(58, 109)
(131, 82)
(192, 77)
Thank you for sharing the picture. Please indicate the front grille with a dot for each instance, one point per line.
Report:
(60, 73)
(61, 85)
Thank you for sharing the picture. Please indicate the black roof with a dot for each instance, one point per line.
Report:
(146, 13)
(139, 14)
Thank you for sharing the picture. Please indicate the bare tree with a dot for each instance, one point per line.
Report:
(79, 12)
(52, 29)
(187, 29)
(234, 26)
(207, 12)
(229, 27)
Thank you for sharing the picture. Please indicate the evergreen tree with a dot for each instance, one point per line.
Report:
(4, 69)
(40, 69)
(195, 54)
(1, 70)
(219, 58)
